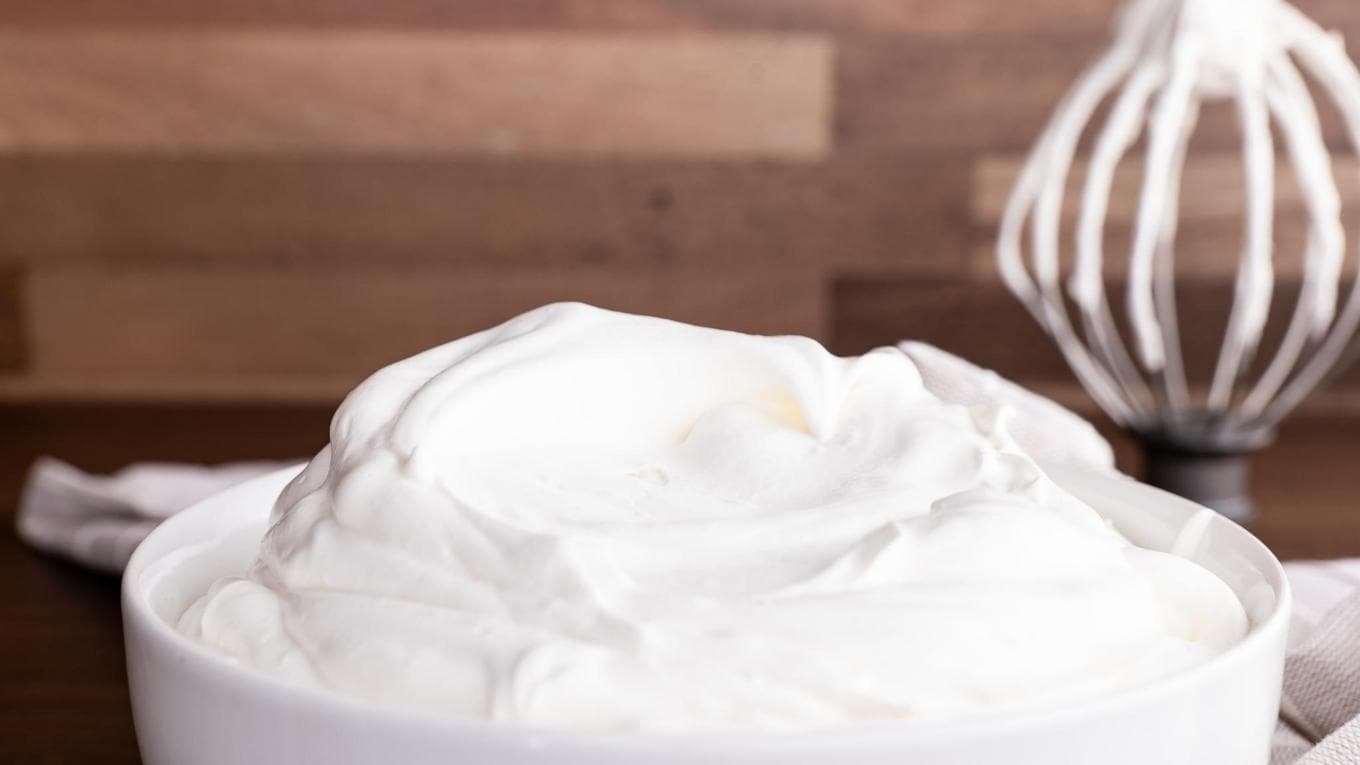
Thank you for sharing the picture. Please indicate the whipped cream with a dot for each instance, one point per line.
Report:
(599, 521)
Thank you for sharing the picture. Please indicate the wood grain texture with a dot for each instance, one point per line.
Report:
(251, 327)
(995, 89)
(1209, 238)
(905, 210)
(1306, 489)
(989, 91)
(953, 17)
(1205, 249)
(63, 689)
(982, 322)
(944, 16)
(13, 340)
(511, 94)
(183, 156)
(1211, 187)
(63, 694)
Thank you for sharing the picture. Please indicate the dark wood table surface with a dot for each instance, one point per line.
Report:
(63, 689)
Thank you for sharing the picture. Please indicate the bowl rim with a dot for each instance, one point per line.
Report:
(207, 514)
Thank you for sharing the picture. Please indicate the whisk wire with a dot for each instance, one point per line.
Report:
(1293, 108)
(1324, 58)
(1051, 158)
(1087, 286)
(1163, 134)
(1170, 380)
(1255, 273)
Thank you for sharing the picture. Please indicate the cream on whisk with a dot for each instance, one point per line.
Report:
(600, 521)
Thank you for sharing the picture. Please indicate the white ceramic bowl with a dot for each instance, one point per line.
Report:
(193, 707)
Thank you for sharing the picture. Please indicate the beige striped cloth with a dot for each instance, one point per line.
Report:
(1320, 709)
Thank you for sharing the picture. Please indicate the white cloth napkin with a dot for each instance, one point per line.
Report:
(98, 521)
(1320, 709)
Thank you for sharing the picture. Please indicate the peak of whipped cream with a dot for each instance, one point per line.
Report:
(599, 521)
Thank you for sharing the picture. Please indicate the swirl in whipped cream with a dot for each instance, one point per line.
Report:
(601, 521)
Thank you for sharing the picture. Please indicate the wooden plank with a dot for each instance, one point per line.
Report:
(930, 16)
(254, 328)
(12, 335)
(1205, 249)
(899, 16)
(1306, 487)
(137, 389)
(904, 210)
(1211, 215)
(1337, 402)
(977, 320)
(992, 90)
(981, 321)
(1212, 187)
(896, 15)
(754, 95)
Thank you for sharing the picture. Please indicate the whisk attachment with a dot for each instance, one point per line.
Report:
(1166, 59)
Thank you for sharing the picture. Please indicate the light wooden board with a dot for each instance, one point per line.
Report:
(416, 92)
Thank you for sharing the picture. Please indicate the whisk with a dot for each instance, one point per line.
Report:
(1166, 59)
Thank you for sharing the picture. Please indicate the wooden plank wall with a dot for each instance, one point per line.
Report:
(263, 200)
